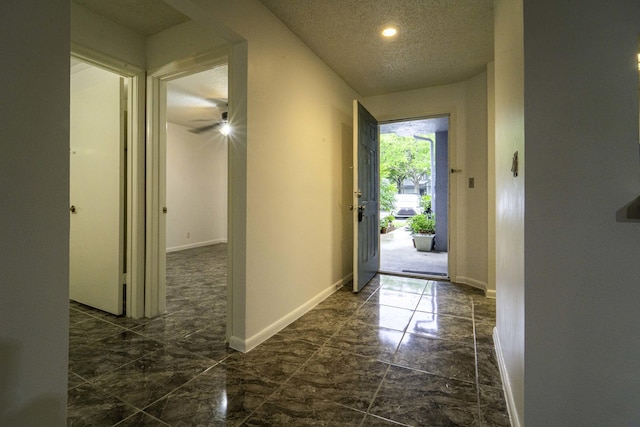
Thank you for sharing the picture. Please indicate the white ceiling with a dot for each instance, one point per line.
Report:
(439, 41)
(198, 99)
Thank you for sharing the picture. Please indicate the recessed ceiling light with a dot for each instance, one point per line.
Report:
(389, 31)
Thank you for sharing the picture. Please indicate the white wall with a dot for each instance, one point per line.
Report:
(196, 188)
(186, 40)
(466, 102)
(101, 35)
(34, 182)
(509, 199)
(298, 181)
(582, 275)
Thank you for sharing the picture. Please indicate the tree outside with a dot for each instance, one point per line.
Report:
(405, 157)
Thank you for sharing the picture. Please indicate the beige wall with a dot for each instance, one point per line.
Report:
(196, 188)
(93, 31)
(298, 181)
(509, 208)
(466, 102)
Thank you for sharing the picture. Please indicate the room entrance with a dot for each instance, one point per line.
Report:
(105, 244)
(414, 193)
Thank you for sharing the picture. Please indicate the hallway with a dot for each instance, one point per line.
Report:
(401, 352)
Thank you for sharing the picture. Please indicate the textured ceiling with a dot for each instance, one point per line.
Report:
(198, 99)
(439, 41)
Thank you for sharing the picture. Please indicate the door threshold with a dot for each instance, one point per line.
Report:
(415, 275)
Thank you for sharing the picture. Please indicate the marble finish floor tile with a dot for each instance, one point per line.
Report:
(293, 407)
(395, 299)
(209, 342)
(400, 352)
(89, 406)
(141, 419)
(151, 377)
(366, 340)
(452, 304)
(418, 398)
(493, 407)
(383, 316)
(316, 327)
(220, 396)
(484, 333)
(448, 359)
(341, 377)
(274, 360)
(90, 360)
(488, 371)
(92, 329)
(405, 284)
(441, 326)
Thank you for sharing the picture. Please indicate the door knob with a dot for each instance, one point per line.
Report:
(72, 209)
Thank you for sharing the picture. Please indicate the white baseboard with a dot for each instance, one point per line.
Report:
(245, 345)
(506, 384)
(471, 282)
(196, 245)
(490, 293)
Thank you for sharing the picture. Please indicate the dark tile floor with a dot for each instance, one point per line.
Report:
(401, 352)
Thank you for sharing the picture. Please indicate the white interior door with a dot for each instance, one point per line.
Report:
(96, 189)
(366, 206)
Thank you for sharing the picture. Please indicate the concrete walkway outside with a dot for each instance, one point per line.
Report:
(397, 255)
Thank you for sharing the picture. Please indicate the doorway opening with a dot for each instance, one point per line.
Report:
(196, 183)
(414, 188)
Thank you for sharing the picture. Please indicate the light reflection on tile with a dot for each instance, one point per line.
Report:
(400, 352)
(383, 316)
(404, 284)
(395, 299)
(369, 341)
(441, 326)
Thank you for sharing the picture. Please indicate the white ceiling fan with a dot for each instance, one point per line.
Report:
(222, 123)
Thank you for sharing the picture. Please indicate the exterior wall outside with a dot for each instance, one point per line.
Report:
(34, 249)
(581, 296)
(442, 190)
(196, 188)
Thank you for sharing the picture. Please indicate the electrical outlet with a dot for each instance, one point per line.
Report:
(472, 182)
(188, 234)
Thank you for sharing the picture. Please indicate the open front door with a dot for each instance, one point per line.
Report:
(366, 206)
(96, 238)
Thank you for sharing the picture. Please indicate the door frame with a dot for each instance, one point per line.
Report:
(155, 283)
(451, 251)
(134, 246)
(452, 234)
